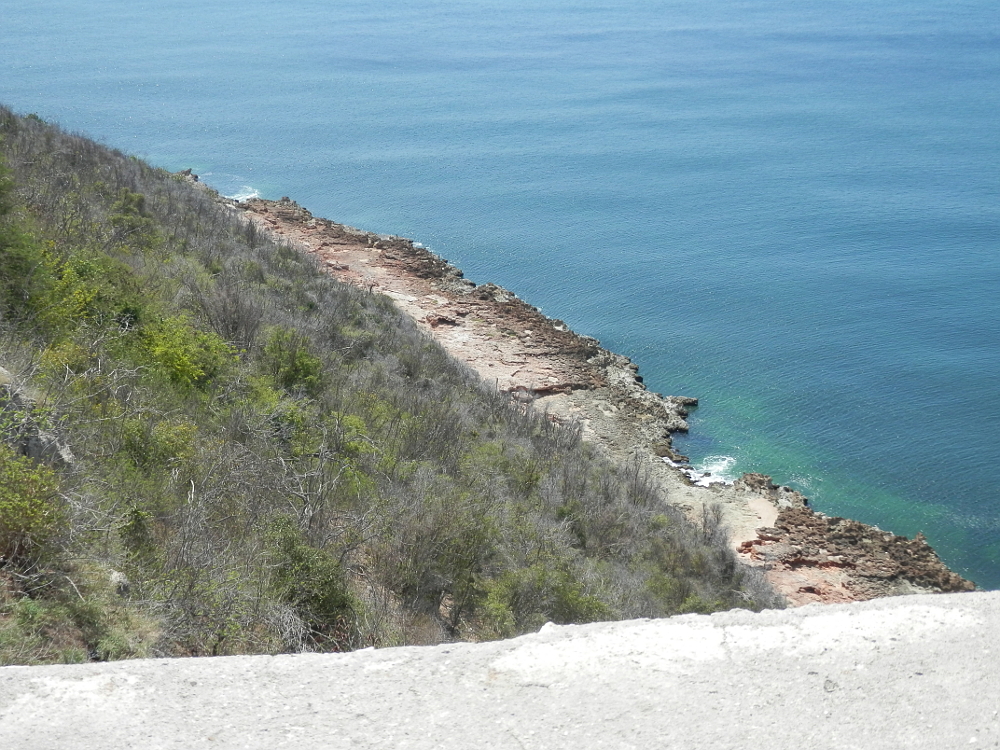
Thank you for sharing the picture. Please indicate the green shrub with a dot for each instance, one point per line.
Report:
(186, 354)
(65, 627)
(513, 464)
(66, 356)
(288, 357)
(527, 598)
(158, 443)
(20, 256)
(31, 514)
(34, 632)
(314, 583)
(136, 534)
(77, 286)
(130, 223)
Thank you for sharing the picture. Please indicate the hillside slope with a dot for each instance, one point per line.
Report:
(804, 555)
(215, 448)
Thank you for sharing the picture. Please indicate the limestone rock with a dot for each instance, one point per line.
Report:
(25, 435)
(761, 484)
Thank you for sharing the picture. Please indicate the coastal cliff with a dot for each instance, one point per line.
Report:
(213, 446)
(807, 557)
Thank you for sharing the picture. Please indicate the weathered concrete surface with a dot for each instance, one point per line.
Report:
(915, 671)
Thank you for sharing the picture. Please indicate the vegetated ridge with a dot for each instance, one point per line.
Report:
(210, 446)
(806, 556)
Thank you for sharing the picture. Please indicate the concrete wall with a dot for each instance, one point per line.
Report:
(916, 671)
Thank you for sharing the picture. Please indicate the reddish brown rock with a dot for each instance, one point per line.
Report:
(812, 557)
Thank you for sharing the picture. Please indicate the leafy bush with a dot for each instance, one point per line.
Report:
(288, 357)
(20, 256)
(314, 583)
(527, 598)
(164, 443)
(31, 513)
(130, 225)
(186, 354)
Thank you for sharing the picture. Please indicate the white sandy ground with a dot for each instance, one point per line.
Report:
(903, 672)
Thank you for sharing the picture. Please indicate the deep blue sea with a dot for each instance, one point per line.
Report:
(788, 209)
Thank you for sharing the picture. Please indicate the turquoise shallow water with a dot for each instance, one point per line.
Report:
(789, 210)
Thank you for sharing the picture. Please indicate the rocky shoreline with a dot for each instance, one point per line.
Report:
(805, 555)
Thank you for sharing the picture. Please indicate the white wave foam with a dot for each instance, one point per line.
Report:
(245, 193)
(713, 470)
(230, 185)
(720, 466)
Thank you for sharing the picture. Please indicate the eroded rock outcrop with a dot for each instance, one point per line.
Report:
(21, 429)
(781, 497)
(810, 557)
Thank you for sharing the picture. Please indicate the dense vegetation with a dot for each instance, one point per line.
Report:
(211, 447)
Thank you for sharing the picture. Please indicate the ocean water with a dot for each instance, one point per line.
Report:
(789, 210)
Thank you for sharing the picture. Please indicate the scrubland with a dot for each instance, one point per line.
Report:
(212, 447)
